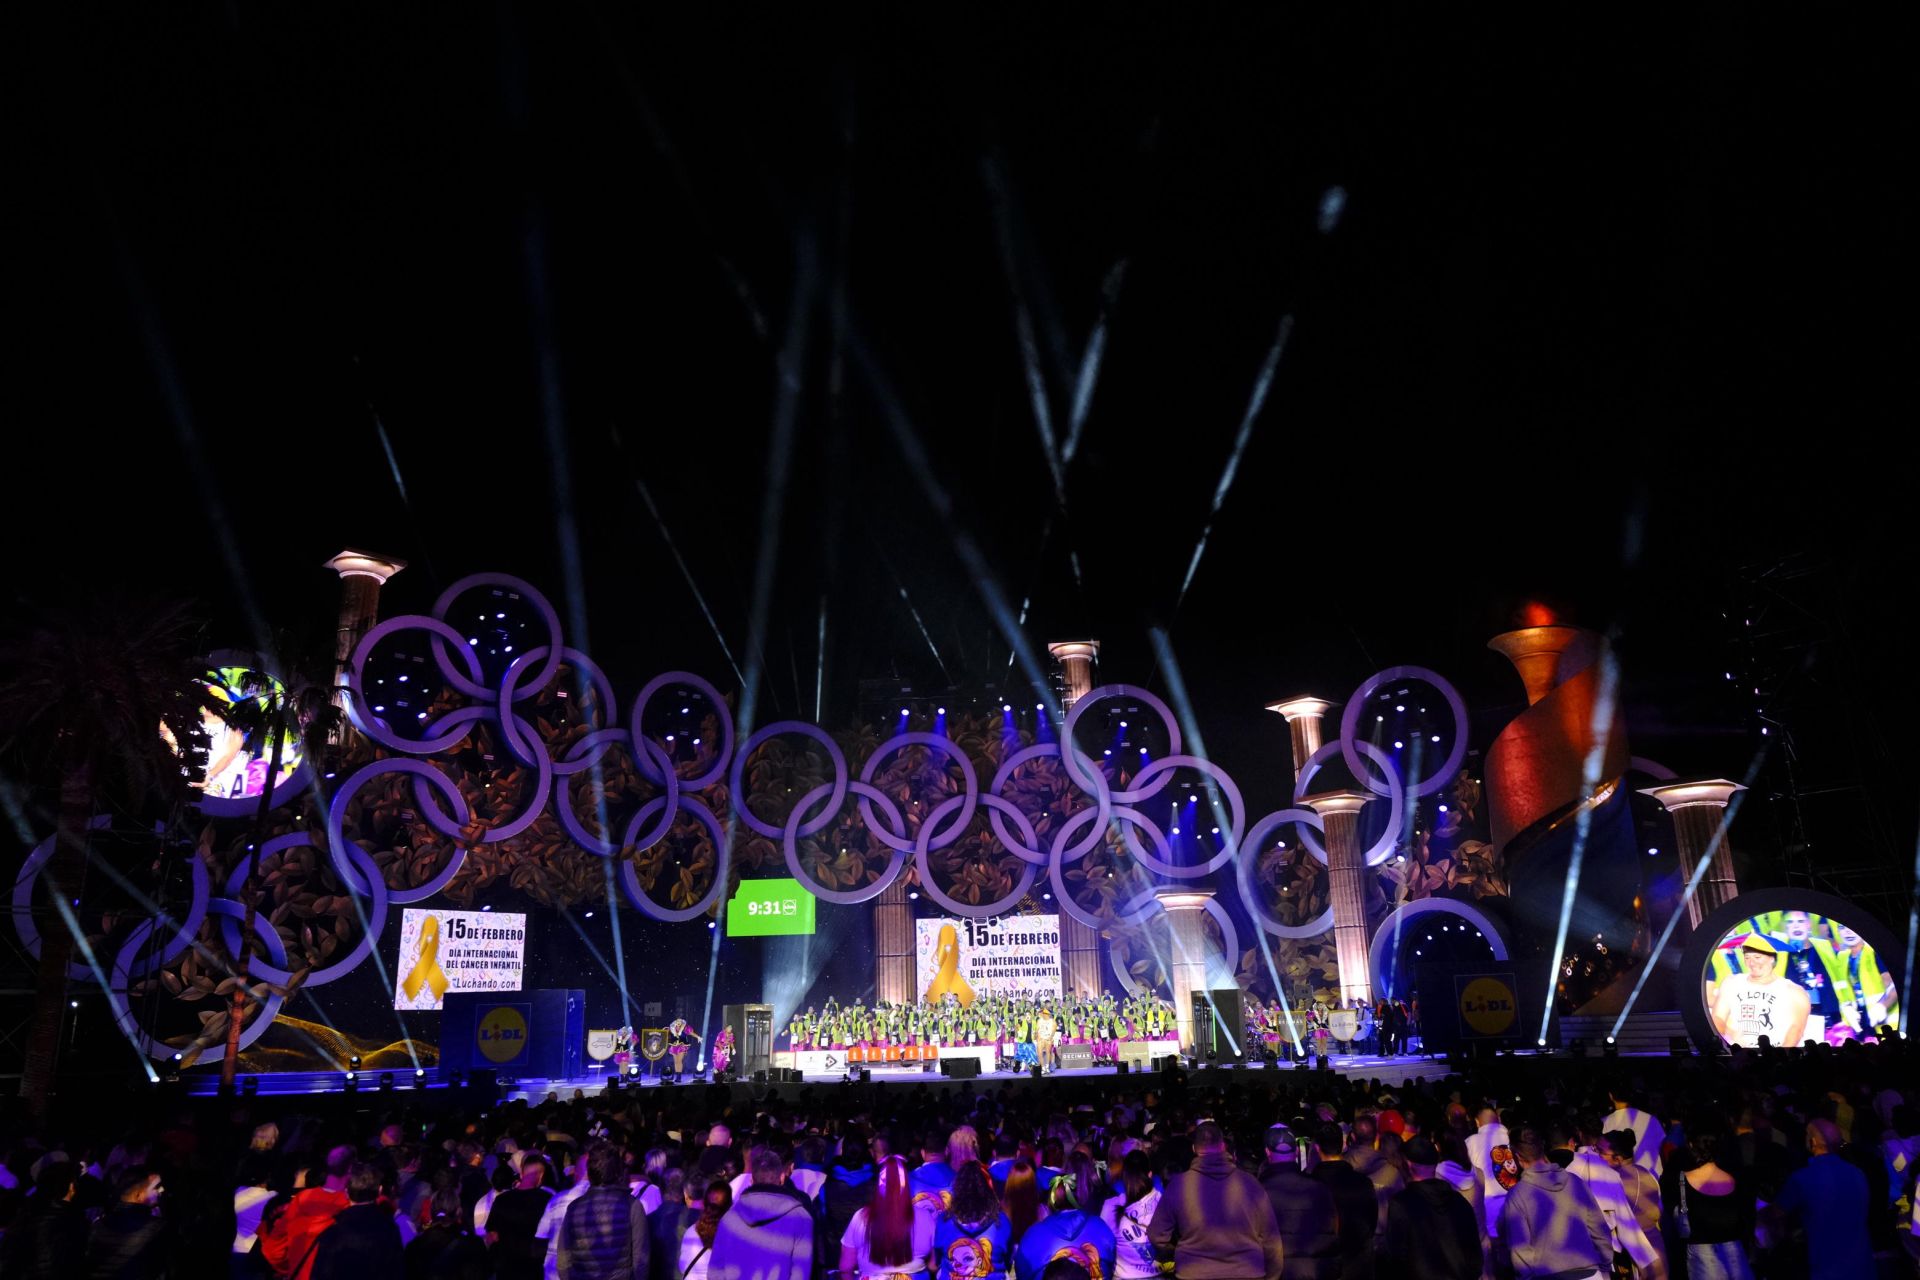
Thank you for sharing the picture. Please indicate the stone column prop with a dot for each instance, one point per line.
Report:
(1303, 717)
(1346, 885)
(1699, 810)
(893, 955)
(1079, 944)
(362, 574)
(1194, 954)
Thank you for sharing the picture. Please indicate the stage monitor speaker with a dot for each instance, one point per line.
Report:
(1120, 1067)
(967, 1068)
(1034, 1071)
(1167, 1063)
(1680, 1046)
(866, 1076)
(1219, 1025)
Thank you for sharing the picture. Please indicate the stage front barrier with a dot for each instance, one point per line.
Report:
(1137, 1054)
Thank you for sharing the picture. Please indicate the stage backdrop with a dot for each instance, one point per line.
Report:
(1007, 955)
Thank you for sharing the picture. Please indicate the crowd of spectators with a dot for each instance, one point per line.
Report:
(1779, 1165)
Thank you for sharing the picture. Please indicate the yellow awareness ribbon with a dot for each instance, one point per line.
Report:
(946, 979)
(426, 970)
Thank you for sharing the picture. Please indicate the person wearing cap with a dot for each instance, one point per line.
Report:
(1431, 1231)
(1304, 1209)
(1758, 1001)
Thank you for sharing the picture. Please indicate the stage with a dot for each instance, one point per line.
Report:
(373, 1084)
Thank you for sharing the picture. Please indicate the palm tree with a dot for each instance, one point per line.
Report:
(84, 693)
(278, 710)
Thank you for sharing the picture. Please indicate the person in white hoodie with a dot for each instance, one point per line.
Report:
(1591, 1166)
(1491, 1151)
(1648, 1133)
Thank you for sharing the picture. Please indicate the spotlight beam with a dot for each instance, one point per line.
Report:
(1255, 403)
(680, 562)
(1090, 364)
(1693, 883)
(790, 365)
(1602, 727)
(971, 558)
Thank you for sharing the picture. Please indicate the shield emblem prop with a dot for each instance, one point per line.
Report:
(653, 1043)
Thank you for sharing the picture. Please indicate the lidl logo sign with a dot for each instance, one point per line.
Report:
(502, 1033)
(1488, 1006)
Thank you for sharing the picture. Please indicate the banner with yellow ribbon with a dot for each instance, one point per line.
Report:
(426, 972)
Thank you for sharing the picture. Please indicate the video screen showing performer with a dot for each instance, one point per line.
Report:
(1793, 976)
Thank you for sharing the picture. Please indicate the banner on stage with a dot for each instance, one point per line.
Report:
(1006, 955)
(442, 951)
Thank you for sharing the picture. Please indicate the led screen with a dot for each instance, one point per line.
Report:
(774, 907)
(1793, 976)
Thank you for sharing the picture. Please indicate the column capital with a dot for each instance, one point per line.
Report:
(1329, 803)
(1674, 796)
(365, 564)
(1294, 708)
(1183, 898)
(1064, 649)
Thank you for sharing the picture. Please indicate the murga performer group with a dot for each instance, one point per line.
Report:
(1029, 1029)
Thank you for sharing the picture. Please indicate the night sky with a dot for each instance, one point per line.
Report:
(1596, 314)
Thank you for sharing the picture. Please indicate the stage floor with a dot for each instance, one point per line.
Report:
(1392, 1071)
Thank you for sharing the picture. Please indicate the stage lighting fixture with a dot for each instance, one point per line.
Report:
(942, 711)
(73, 1004)
(613, 1084)
(633, 1069)
(354, 1061)
(352, 1080)
(178, 1058)
(420, 1075)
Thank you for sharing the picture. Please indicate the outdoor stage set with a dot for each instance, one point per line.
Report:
(965, 896)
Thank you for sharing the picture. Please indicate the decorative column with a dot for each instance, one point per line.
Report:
(1079, 944)
(893, 978)
(362, 574)
(1076, 665)
(1346, 886)
(1699, 814)
(1193, 951)
(1303, 722)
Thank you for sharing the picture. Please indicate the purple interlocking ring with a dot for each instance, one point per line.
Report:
(337, 842)
(510, 694)
(921, 844)
(370, 724)
(1056, 864)
(1243, 869)
(844, 897)
(715, 772)
(676, 915)
(471, 686)
(1236, 810)
(599, 845)
(774, 730)
(1350, 743)
(1396, 798)
(371, 925)
(1105, 691)
(1102, 796)
(120, 978)
(78, 970)
(971, 796)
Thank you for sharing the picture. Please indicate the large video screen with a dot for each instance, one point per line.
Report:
(1794, 976)
(236, 759)
(443, 951)
(769, 908)
(1005, 955)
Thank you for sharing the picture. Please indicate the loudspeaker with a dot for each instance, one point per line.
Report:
(1120, 1067)
(1034, 1071)
(967, 1068)
(1219, 1025)
(1680, 1046)
(866, 1076)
